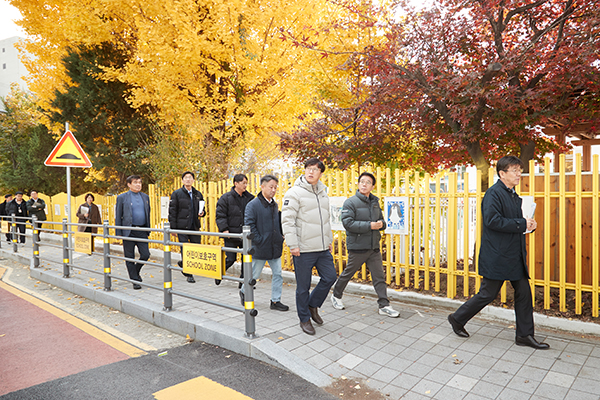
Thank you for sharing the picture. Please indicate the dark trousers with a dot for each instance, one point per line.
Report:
(39, 229)
(231, 257)
(134, 268)
(303, 265)
(488, 292)
(186, 239)
(355, 260)
(21, 228)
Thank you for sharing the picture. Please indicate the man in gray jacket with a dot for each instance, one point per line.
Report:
(363, 219)
(305, 222)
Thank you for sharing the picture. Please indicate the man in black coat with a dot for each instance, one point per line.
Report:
(503, 255)
(264, 219)
(230, 216)
(4, 212)
(19, 208)
(186, 205)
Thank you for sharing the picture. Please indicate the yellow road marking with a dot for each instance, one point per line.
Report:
(200, 388)
(91, 330)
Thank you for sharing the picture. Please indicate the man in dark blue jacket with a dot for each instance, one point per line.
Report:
(263, 216)
(503, 256)
(133, 210)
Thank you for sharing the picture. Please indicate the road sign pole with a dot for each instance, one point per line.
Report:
(70, 241)
(69, 212)
(68, 153)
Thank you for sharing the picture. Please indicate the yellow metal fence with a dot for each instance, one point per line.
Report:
(444, 227)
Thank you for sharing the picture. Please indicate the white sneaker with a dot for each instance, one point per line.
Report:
(389, 311)
(337, 303)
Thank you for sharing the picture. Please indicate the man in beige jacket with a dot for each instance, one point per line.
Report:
(305, 222)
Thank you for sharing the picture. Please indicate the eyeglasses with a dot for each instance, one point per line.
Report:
(365, 182)
(313, 169)
(514, 171)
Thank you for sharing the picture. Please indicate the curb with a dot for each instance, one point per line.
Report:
(198, 328)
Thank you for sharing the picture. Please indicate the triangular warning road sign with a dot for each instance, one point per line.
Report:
(68, 153)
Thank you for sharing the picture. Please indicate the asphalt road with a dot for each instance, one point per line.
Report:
(56, 345)
(193, 371)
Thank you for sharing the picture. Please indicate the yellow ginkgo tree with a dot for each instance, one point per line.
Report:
(216, 73)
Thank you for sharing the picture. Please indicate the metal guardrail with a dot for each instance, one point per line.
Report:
(64, 228)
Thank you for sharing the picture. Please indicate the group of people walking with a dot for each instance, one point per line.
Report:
(304, 225)
(22, 209)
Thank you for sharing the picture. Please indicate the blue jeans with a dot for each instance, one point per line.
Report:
(276, 279)
(303, 265)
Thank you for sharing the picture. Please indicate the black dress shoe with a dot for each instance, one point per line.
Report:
(457, 328)
(279, 306)
(314, 314)
(191, 279)
(136, 286)
(307, 327)
(242, 297)
(530, 341)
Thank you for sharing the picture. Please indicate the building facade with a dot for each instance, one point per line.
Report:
(11, 68)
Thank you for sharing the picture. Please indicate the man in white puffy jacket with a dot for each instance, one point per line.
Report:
(305, 222)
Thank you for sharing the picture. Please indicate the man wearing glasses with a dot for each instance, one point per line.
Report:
(503, 255)
(305, 222)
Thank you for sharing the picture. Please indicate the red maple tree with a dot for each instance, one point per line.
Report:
(461, 82)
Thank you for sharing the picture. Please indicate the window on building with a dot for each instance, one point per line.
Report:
(4, 49)
(3, 66)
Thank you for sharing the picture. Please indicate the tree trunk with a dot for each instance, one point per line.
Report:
(480, 162)
(527, 153)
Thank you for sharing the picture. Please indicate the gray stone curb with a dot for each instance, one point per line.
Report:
(198, 328)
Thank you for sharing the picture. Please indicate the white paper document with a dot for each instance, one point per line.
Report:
(528, 207)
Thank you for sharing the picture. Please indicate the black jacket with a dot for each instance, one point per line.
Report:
(503, 255)
(264, 219)
(20, 210)
(230, 211)
(182, 213)
(357, 214)
(3, 208)
(37, 208)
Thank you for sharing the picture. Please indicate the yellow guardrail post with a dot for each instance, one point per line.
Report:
(478, 225)
(388, 238)
(426, 231)
(531, 236)
(578, 233)
(417, 231)
(466, 209)
(562, 225)
(451, 235)
(547, 233)
(438, 212)
(407, 236)
(595, 237)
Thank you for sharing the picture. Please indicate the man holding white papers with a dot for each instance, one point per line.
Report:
(229, 217)
(503, 256)
(185, 208)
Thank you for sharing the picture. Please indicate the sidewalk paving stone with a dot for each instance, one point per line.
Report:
(415, 356)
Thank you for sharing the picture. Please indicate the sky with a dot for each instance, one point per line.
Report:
(8, 14)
